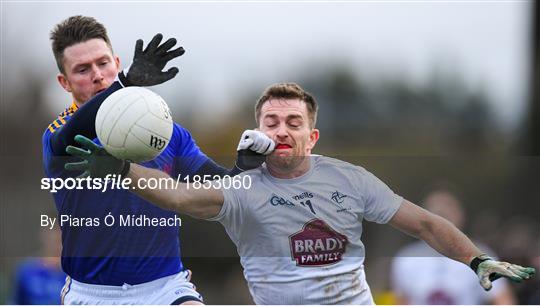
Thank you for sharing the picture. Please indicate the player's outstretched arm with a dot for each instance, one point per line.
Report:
(444, 237)
(145, 70)
(197, 202)
(250, 154)
(96, 162)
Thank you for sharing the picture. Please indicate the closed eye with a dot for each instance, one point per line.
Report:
(295, 123)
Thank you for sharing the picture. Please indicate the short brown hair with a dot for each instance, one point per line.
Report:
(288, 91)
(74, 30)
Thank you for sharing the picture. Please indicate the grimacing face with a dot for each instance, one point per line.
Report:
(89, 68)
(286, 122)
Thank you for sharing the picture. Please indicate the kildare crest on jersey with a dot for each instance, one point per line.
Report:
(338, 198)
(317, 244)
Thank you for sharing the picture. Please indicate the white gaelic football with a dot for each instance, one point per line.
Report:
(134, 124)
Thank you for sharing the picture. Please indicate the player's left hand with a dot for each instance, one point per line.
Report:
(489, 270)
(96, 161)
(146, 68)
(252, 149)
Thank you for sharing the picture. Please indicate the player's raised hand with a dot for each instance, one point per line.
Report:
(148, 64)
(252, 149)
(489, 270)
(256, 141)
(96, 161)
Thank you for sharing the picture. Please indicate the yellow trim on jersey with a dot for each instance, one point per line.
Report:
(73, 107)
(60, 121)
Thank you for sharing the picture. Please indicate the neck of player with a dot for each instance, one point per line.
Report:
(289, 170)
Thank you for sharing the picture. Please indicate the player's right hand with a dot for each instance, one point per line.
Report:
(489, 270)
(256, 141)
(252, 149)
(96, 161)
(147, 66)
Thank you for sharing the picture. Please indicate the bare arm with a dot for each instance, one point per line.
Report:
(198, 203)
(436, 231)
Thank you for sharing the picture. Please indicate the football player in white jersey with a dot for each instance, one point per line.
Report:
(420, 275)
(298, 226)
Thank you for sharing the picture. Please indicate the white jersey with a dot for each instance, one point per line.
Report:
(299, 239)
(422, 276)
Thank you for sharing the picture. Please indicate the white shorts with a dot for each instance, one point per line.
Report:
(342, 289)
(175, 288)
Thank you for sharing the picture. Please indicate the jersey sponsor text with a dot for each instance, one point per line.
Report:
(317, 244)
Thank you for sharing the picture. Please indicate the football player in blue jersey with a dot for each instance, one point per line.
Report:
(39, 279)
(113, 264)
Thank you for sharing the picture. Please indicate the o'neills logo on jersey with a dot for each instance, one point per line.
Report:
(303, 195)
(317, 244)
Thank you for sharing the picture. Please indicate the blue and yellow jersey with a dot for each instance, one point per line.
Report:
(114, 255)
(62, 118)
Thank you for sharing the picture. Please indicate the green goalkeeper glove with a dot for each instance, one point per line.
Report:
(96, 161)
(489, 270)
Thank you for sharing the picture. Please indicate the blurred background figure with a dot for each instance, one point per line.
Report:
(420, 275)
(39, 280)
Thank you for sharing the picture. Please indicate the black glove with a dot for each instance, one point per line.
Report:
(146, 68)
(252, 150)
(247, 159)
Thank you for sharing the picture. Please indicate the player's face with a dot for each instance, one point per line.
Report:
(90, 67)
(286, 121)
